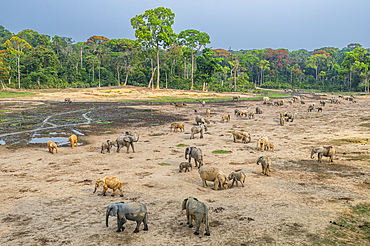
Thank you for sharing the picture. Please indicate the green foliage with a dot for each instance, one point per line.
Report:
(180, 145)
(164, 164)
(13, 94)
(220, 152)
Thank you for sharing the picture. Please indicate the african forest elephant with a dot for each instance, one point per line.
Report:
(215, 175)
(127, 140)
(135, 211)
(323, 151)
(196, 153)
(200, 120)
(197, 211)
(198, 129)
(258, 110)
(265, 163)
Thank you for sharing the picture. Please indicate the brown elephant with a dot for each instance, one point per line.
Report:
(265, 162)
(213, 174)
(73, 139)
(321, 151)
(262, 142)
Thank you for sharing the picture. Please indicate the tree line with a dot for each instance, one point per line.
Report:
(160, 58)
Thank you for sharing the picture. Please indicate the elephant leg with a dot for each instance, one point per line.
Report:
(132, 146)
(114, 192)
(108, 150)
(121, 192)
(137, 226)
(145, 222)
(236, 181)
(120, 223)
(216, 184)
(197, 221)
(204, 183)
(118, 147)
(128, 147)
(76, 144)
(190, 221)
(105, 190)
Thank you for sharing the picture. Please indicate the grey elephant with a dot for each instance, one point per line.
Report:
(201, 120)
(237, 176)
(196, 154)
(107, 146)
(198, 129)
(258, 110)
(198, 211)
(265, 162)
(328, 151)
(135, 211)
(289, 116)
(127, 140)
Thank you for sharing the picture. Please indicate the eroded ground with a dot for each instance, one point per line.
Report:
(47, 199)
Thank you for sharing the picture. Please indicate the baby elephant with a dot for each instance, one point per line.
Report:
(106, 146)
(225, 117)
(185, 165)
(265, 163)
(237, 176)
(73, 139)
(52, 146)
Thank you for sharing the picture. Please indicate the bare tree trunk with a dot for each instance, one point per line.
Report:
(99, 74)
(81, 56)
(93, 71)
(157, 67)
(173, 62)
(118, 76)
(38, 82)
(128, 71)
(19, 73)
(151, 79)
(192, 69)
(166, 79)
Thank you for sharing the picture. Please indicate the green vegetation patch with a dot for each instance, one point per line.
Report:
(12, 94)
(156, 134)
(4, 110)
(164, 164)
(352, 141)
(180, 145)
(220, 151)
(351, 228)
(103, 122)
(365, 124)
(4, 120)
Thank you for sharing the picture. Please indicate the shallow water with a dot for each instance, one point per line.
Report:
(58, 140)
(2, 142)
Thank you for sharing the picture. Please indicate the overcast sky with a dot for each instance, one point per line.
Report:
(239, 24)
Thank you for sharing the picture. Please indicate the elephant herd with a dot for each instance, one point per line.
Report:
(195, 210)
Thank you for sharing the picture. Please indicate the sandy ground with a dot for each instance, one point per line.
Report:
(48, 199)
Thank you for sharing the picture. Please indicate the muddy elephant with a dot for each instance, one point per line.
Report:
(186, 166)
(209, 173)
(289, 116)
(265, 162)
(200, 120)
(198, 211)
(135, 211)
(258, 110)
(237, 176)
(127, 140)
(321, 151)
(262, 142)
(208, 111)
(73, 140)
(236, 98)
(244, 136)
(196, 154)
(201, 129)
(225, 117)
(113, 183)
(177, 127)
(107, 146)
(52, 146)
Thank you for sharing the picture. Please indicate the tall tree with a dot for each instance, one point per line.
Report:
(15, 46)
(195, 40)
(154, 29)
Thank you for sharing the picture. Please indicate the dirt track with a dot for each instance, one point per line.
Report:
(47, 199)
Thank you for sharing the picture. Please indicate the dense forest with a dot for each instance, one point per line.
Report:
(160, 58)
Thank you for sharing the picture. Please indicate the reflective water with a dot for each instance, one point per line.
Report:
(58, 140)
(2, 142)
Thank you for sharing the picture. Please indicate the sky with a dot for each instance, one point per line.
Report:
(235, 24)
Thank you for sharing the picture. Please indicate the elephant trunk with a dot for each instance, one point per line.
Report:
(106, 218)
(94, 190)
(312, 153)
(186, 153)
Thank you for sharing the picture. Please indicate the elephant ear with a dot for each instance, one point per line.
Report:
(113, 209)
(195, 199)
(184, 203)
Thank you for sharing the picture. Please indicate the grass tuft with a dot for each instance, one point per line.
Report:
(164, 164)
(180, 145)
(220, 151)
